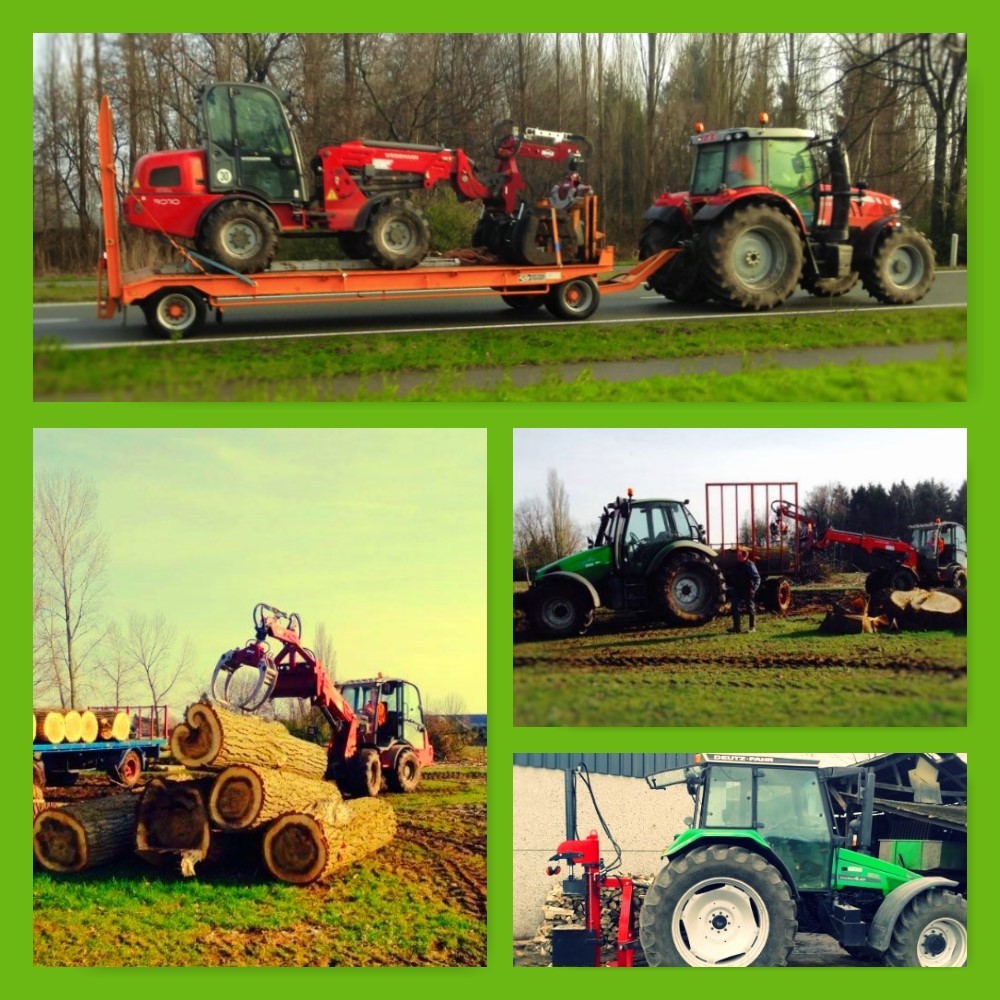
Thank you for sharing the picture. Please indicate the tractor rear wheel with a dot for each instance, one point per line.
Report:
(366, 777)
(241, 235)
(753, 258)
(718, 906)
(405, 775)
(776, 594)
(901, 270)
(561, 610)
(689, 589)
(931, 932)
(679, 278)
(398, 235)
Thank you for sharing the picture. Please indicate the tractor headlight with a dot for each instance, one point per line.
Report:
(896, 204)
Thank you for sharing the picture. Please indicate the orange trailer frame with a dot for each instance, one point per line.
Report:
(175, 300)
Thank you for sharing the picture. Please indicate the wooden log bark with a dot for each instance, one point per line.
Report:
(244, 797)
(51, 727)
(38, 780)
(113, 725)
(75, 837)
(89, 727)
(302, 848)
(74, 725)
(928, 610)
(212, 737)
(172, 823)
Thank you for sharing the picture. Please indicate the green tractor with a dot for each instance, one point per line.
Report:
(778, 846)
(649, 556)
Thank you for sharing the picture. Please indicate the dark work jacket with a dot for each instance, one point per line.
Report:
(746, 577)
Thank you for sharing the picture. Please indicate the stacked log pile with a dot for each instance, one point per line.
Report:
(250, 787)
(58, 725)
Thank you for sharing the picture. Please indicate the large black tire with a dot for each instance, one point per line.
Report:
(366, 774)
(405, 775)
(689, 589)
(397, 236)
(718, 906)
(959, 579)
(776, 594)
(577, 298)
(752, 259)
(531, 240)
(353, 245)
(678, 279)
(175, 312)
(901, 270)
(528, 302)
(241, 235)
(829, 288)
(931, 931)
(560, 609)
(902, 579)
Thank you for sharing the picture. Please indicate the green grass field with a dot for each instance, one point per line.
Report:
(481, 365)
(419, 901)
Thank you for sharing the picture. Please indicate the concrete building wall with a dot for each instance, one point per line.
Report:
(643, 821)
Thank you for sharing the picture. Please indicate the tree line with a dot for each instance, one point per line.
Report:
(899, 100)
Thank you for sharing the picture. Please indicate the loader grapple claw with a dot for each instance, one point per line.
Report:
(263, 688)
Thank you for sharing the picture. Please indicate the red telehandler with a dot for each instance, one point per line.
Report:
(377, 725)
(249, 183)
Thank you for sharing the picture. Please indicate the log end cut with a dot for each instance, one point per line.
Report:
(196, 742)
(237, 798)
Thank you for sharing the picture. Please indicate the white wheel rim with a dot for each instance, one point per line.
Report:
(558, 612)
(720, 921)
(242, 239)
(175, 312)
(689, 591)
(758, 257)
(943, 942)
(906, 267)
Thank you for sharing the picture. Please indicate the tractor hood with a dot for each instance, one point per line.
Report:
(593, 564)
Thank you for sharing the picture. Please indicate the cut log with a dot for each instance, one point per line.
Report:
(302, 848)
(172, 823)
(89, 727)
(74, 726)
(213, 737)
(927, 610)
(244, 797)
(74, 837)
(39, 786)
(113, 725)
(51, 727)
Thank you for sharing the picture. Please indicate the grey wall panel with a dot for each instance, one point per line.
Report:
(628, 765)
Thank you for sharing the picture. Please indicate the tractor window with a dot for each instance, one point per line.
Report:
(706, 177)
(743, 164)
(218, 116)
(792, 818)
(681, 524)
(260, 124)
(411, 715)
(646, 523)
(791, 172)
(729, 797)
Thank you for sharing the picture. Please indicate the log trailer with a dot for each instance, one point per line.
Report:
(175, 300)
(776, 845)
(377, 724)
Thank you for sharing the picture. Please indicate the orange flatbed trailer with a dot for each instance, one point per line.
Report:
(176, 300)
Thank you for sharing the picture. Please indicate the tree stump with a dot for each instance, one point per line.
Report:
(211, 737)
(301, 847)
(244, 797)
(50, 727)
(172, 823)
(75, 837)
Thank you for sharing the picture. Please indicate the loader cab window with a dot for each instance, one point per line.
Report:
(681, 524)
(411, 715)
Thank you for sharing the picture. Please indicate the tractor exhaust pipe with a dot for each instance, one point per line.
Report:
(840, 189)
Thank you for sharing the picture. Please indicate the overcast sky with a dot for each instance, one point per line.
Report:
(596, 465)
(380, 534)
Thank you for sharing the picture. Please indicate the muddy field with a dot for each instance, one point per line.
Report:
(635, 672)
(419, 901)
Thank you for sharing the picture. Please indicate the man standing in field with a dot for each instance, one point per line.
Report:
(745, 581)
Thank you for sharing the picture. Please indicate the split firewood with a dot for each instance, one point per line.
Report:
(50, 727)
(75, 837)
(301, 847)
(212, 737)
(172, 822)
(244, 797)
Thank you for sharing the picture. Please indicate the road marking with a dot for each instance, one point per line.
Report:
(39, 322)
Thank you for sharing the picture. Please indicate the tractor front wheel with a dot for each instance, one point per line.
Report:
(901, 270)
(367, 774)
(398, 235)
(752, 259)
(690, 589)
(931, 931)
(718, 906)
(405, 775)
(241, 235)
(561, 610)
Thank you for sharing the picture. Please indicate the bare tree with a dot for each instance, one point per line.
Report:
(149, 644)
(543, 529)
(566, 535)
(69, 572)
(116, 667)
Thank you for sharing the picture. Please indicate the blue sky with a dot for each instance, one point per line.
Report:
(379, 534)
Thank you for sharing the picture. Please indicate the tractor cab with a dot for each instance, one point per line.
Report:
(389, 712)
(942, 549)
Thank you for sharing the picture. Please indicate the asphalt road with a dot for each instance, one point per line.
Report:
(77, 326)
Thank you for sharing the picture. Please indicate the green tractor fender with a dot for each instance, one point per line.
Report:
(671, 550)
(748, 839)
(880, 933)
(563, 576)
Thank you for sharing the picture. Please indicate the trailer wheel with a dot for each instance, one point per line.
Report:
(367, 774)
(678, 279)
(574, 299)
(931, 932)
(776, 595)
(405, 776)
(901, 270)
(718, 906)
(829, 288)
(753, 258)
(561, 609)
(528, 302)
(241, 235)
(176, 312)
(129, 769)
(397, 236)
(689, 589)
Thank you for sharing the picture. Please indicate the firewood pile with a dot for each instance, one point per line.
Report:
(251, 790)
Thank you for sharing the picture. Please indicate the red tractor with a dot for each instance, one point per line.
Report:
(770, 208)
(937, 554)
(377, 725)
(248, 184)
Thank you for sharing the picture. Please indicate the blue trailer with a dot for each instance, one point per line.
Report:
(122, 760)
